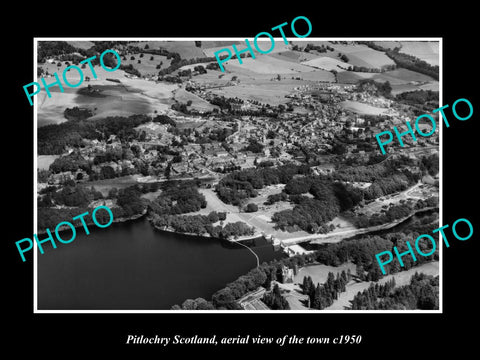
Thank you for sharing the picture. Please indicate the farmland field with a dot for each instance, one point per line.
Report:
(268, 65)
(44, 161)
(425, 50)
(198, 103)
(361, 108)
(361, 55)
(186, 49)
(327, 63)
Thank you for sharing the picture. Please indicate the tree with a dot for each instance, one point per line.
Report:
(223, 298)
(251, 207)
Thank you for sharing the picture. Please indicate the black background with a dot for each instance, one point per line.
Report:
(409, 335)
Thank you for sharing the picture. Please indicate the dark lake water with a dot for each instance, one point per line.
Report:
(131, 266)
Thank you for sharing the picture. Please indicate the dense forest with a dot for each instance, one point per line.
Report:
(240, 185)
(421, 294)
(52, 202)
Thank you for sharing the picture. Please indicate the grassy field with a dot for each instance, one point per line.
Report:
(44, 161)
(361, 108)
(148, 63)
(82, 44)
(327, 63)
(427, 51)
(183, 96)
(131, 96)
(362, 55)
(265, 64)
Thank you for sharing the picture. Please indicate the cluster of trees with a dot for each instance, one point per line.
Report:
(329, 199)
(178, 197)
(254, 146)
(251, 207)
(372, 70)
(406, 61)
(430, 164)
(72, 195)
(272, 199)
(194, 304)
(322, 296)
(418, 97)
(393, 213)
(320, 48)
(54, 138)
(274, 299)
(343, 57)
(388, 185)
(201, 225)
(77, 113)
(363, 173)
(129, 69)
(71, 162)
(130, 200)
(47, 49)
(382, 88)
(243, 184)
(422, 293)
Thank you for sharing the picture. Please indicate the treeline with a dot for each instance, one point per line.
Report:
(418, 97)
(55, 138)
(421, 294)
(240, 185)
(322, 296)
(406, 61)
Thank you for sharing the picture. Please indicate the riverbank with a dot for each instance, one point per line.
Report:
(207, 235)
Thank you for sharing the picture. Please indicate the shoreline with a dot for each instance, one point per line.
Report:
(206, 235)
(117, 220)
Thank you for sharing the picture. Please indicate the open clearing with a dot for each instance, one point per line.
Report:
(44, 161)
(361, 108)
(268, 65)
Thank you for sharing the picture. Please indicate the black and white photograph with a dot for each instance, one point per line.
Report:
(254, 183)
(213, 179)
